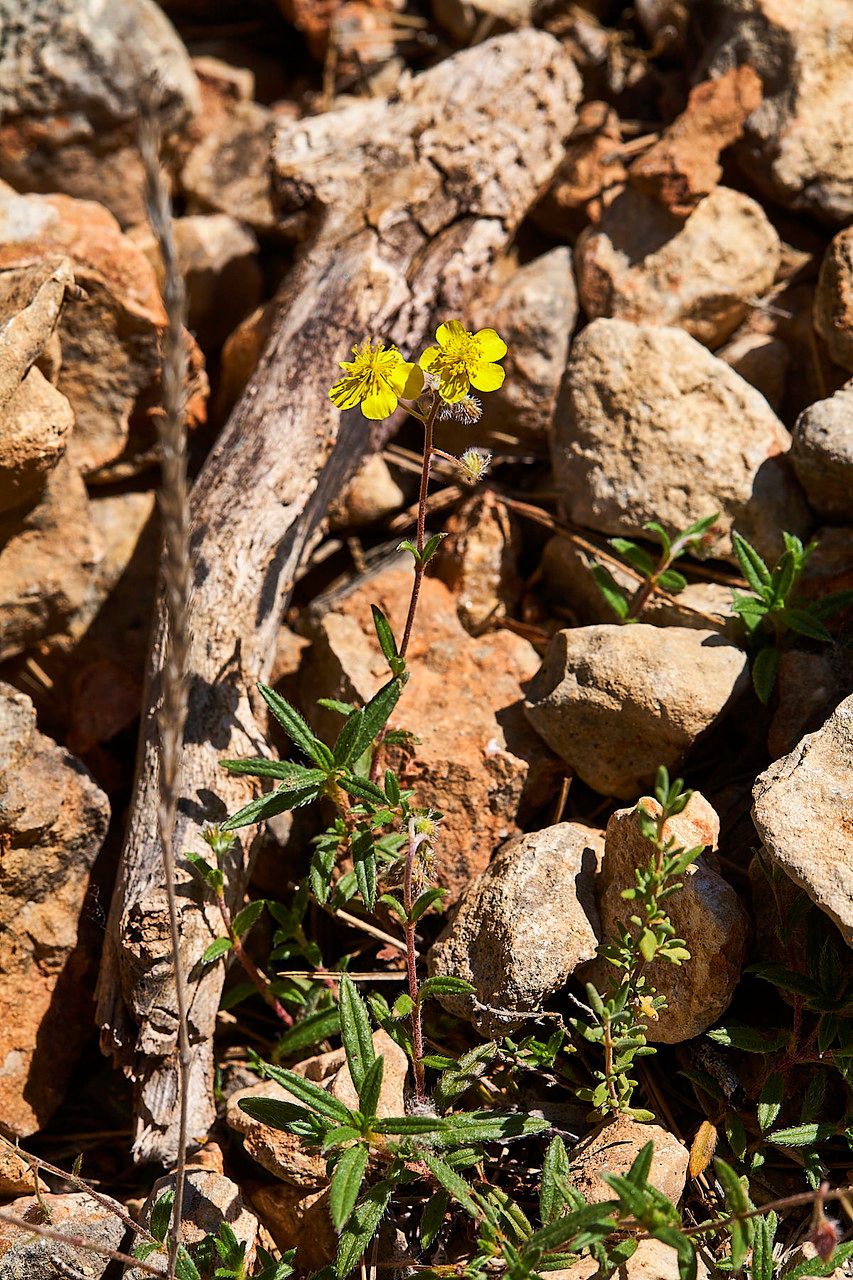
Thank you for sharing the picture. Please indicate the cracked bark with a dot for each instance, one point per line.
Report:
(405, 202)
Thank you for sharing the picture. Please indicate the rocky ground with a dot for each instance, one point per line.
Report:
(677, 300)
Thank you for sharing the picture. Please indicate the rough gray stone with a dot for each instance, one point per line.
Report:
(822, 454)
(803, 811)
(651, 426)
(72, 73)
(617, 701)
(641, 263)
(25, 1256)
(797, 144)
(522, 927)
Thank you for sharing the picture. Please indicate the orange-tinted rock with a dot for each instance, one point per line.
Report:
(682, 168)
(110, 367)
(53, 820)
(476, 758)
(589, 177)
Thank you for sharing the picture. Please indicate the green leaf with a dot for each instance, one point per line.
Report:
(770, 1100)
(408, 545)
(402, 1006)
(764, 669)
(356, 1032)
(309, 1093)
(562, 1230)
(392, 787)
(672, 581)
(274, 1112)
(363, 789)
(636, 556)
(431, 547)
(639, 1171)
(309, 1031)
(749, 1039)
(244, 919)
(345, 744)
(377, 712)
(753, 567)
(371, 1087)
(762, 1251)
(803, 1135)
(454, 1185)
(296, 729)
(346, 1183)
(364, 866)
(432, 1217)
(653, 526)
(161, 1215)
(211, 876)
(362, 1226)
(806, 624)
(284, 770)
(279, 801)
(425, 900)
(465, 1128)
(384, 634)
(737, 1202)
(219, 947)
(817, 1267)
(555, 1173)
(699, 528)
(394, 904)
(613, 594)
(446, 985)
(185, 1268)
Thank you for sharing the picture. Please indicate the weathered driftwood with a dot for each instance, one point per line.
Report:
(405, 203)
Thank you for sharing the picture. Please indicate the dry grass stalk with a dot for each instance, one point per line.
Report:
(176, 580)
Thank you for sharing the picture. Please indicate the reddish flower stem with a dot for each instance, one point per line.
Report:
(260, 981)
(412, 966)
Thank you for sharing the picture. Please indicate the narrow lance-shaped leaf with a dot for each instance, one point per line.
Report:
(279, 801)
(555, 1172)
(355, 1031)
(377, 712)
(310, 1093)
(754, 569)
(296, 729)
(346, 1183)
(362, 1226)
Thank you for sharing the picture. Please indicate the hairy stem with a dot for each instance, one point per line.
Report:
(426, 467)
(412, 963)
(260, 981)
(176, 575)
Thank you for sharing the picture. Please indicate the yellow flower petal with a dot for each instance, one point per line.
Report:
(347, 392)
(490, 345)
(450, 329)
(406, 379)
(380, 403)
(454, 385)
(487, 377)
(429, 357)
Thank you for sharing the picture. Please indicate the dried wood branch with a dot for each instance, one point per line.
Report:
(407, 203)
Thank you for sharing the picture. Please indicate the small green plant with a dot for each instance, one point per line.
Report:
(215, 1257)
(773, 613)
(655, 575)
(617, 1019)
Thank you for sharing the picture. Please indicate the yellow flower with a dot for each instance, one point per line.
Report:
(463, 360)
(376, 379)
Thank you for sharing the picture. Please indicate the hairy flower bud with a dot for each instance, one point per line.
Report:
(475, 463)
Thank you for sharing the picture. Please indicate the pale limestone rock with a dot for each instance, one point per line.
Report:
(614, 1147)
(522, 927)
(644, 264)
(651, 426)
(25, 1256)
(618, 701)
(803, 812)
(833, 304)
(822, 454)
(797, 143)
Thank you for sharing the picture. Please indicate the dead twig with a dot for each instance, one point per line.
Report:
(176, 577)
